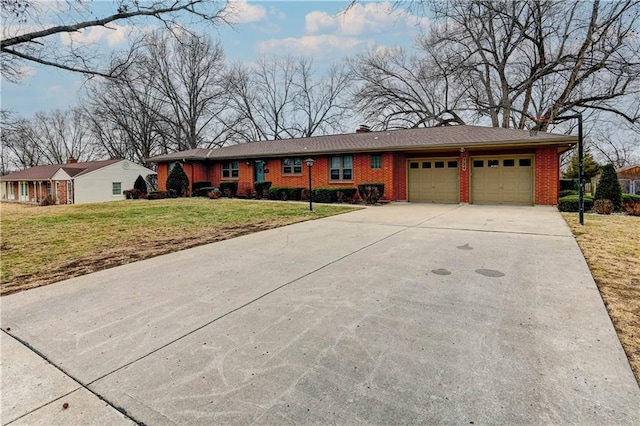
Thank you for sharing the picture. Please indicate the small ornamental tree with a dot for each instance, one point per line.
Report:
(140, 185)
(178, 181)
(590, 167)
(609, 187)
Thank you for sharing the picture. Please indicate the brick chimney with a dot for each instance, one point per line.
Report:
(363, 129)
(72, 160)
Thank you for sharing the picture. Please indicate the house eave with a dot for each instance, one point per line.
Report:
(565, 143)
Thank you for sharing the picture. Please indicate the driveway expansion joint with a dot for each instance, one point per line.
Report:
(80, 384)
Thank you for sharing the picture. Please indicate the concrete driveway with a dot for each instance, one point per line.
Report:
(396, 314)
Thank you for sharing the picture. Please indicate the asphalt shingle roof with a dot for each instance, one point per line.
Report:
(391, 140)
(47, 171)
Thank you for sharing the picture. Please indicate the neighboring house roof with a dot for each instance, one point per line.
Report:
(48, 171)
(629, 172)
(391, 140)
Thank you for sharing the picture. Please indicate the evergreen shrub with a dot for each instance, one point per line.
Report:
(262, 189)
(229, 188)
(178, 181)
(609, 187)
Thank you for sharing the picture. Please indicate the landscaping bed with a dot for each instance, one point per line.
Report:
(42, 245)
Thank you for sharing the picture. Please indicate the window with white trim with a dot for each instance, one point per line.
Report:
(341, 168)
(230, 170)
(292, 166)
(376, 161)
(116, 188)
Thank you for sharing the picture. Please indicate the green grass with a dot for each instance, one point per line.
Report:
(41, 245)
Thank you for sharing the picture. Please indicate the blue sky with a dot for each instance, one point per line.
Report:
(321, 30)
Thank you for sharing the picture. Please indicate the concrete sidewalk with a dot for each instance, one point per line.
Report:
(396, 314)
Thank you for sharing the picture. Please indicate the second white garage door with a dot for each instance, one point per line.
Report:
(433, 180)
(502, 180)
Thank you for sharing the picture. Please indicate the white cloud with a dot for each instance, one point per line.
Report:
(311, 44)
(359, 19)
(241, 12)
(113, 35)
(316, 21)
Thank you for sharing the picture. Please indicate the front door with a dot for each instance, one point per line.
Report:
(259, 171)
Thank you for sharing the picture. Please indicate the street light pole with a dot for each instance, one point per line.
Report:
(310, 162)
(580, 163)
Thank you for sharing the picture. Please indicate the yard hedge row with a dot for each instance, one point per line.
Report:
(284, 193)
(334, 194)
(570, 203)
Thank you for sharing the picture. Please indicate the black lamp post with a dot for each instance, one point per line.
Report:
(580, 162)
(310, 162)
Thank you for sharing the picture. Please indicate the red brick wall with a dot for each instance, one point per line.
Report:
(547, 176)
(400, 176)
(362, 172)
(464, 167)
(163, 173)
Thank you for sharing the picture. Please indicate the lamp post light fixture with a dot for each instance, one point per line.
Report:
(310, 162)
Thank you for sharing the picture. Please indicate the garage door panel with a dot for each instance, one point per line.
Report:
(433, 180)
(502, 180)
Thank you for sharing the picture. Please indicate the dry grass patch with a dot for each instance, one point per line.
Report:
(42, 245)
(611, 246)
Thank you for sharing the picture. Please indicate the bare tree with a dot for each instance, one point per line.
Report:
(32, 29)
(48, 138)
(321, 102)
(123, 116)
(63, 135)
(187, 73)
(279, 98)
(619, 146)
(524, 58)
(397, 90)
(171, 98)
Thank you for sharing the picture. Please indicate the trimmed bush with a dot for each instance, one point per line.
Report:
(132, 194)
(632, 207)
(566, 192)
(140, 185)
(570, 203)
(626, 198)
(229, 188)
(178, 181)
(285, 193)
(201, 184)
(371, 192)
(203, 191)
(603, 206)
(333, 194)
(49, 200)
(159, 195)
(262, 189)
(609, 187)
(568, 184)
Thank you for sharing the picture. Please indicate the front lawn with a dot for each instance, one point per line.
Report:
(611, 246)
(42, 245)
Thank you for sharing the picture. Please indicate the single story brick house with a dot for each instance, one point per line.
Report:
(73, 182)
(455, 164)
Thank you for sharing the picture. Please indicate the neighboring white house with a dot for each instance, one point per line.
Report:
(73, 183)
